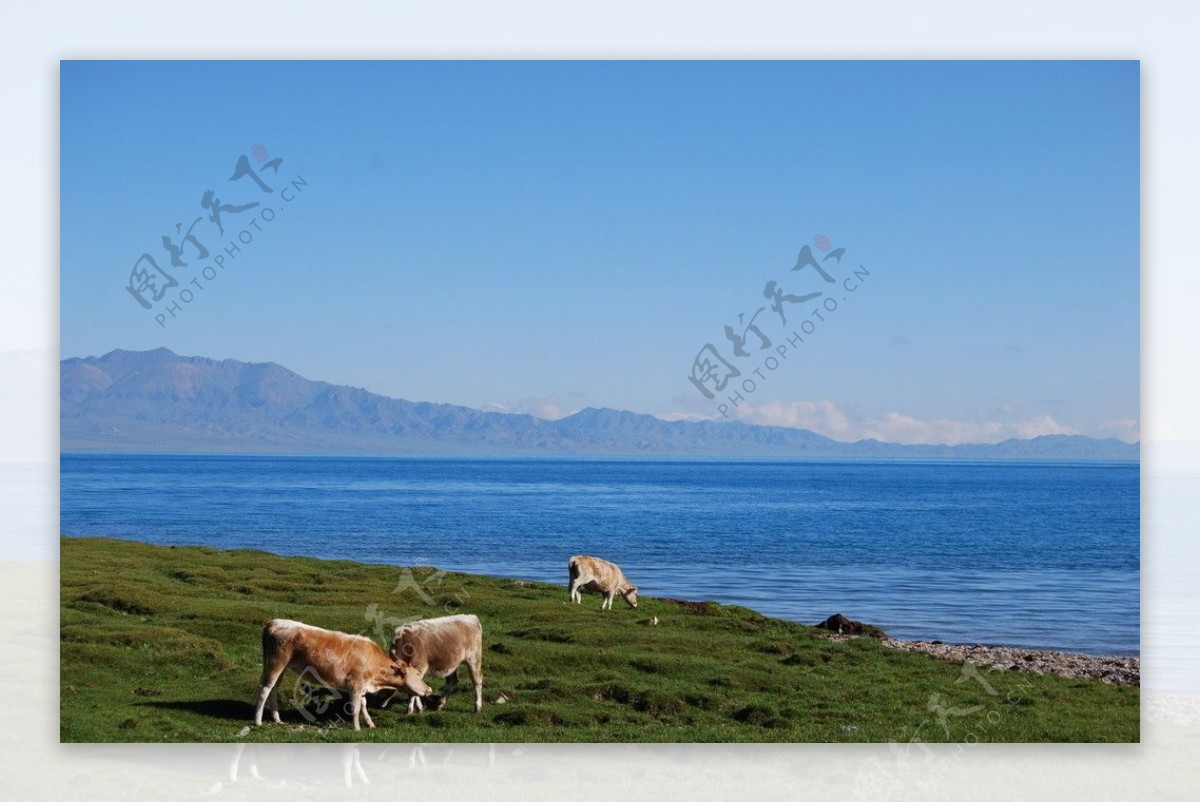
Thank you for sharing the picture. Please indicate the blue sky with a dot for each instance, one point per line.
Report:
(545, 236)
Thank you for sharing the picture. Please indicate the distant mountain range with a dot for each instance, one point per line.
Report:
(157, 401)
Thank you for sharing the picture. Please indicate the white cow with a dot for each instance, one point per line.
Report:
(440, 646)
(597, 574)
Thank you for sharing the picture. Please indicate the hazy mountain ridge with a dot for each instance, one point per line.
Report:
(159, 401)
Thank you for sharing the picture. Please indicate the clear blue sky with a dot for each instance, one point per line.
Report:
(544, 236)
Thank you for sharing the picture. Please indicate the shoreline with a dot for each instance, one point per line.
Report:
(1116, 670)
(161, 644)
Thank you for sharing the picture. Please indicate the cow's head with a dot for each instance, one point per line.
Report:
(630, 595)
(405, 678)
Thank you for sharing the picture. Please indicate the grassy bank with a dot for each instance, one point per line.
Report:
(162, 644)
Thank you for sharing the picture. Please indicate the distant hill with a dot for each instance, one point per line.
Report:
(157, 401)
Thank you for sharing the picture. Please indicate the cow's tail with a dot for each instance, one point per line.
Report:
(270, 645)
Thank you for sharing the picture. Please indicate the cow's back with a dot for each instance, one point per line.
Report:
(336, 656)
(602, 573)
(439, 644)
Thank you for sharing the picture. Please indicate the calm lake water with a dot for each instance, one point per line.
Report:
(1038, 555)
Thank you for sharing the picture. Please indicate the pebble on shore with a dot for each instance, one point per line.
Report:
(1119, 670)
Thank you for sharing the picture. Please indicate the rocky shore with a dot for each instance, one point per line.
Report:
(1119, 670)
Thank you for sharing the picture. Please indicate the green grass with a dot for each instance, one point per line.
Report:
(162, 644)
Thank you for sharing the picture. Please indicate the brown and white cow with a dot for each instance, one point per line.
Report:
(439, 646)
(597, 574)
(338, 660)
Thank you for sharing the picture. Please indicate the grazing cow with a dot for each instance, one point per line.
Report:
(439, 646)
(596, 574)
(339, 660)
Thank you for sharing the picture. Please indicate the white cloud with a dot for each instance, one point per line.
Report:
(823, 417)
(900, 428)
(1043, 425)
(677, 415)
(551, 407)
(833, 421)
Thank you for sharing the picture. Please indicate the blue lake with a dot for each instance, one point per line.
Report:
(1034, 554)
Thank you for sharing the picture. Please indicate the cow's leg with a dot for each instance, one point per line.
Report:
(358, 767)
(275, 699)
(263, 694)
(415, 704)
(272, 676)
(475, 667)
(237, 759)
(608, 600)
(366, 716)
(451, 685)
(350, 761)
(575, 596)
(356, 701)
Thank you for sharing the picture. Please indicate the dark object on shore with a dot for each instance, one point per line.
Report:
(692, 607)
(848, 627)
